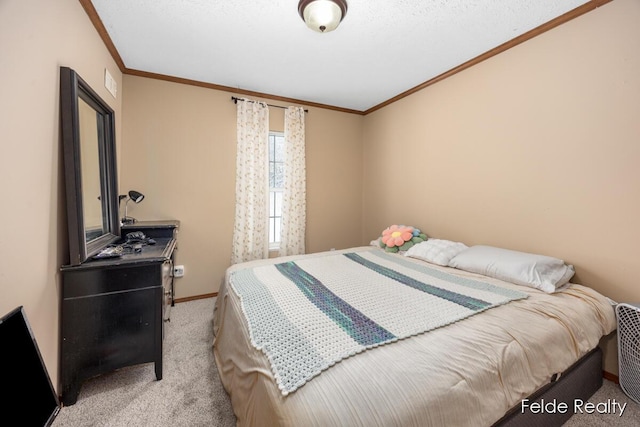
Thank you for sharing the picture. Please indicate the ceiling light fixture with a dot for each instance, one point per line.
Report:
(322, 15)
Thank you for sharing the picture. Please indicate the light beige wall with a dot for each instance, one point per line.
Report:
(180, 152)
(536, 149)
(36, 38)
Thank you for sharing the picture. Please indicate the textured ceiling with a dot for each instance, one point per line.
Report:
(381, 49)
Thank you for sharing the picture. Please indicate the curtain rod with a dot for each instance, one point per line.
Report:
(236, 99)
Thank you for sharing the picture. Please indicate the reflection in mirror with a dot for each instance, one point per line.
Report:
(90, 167)
(88, 136)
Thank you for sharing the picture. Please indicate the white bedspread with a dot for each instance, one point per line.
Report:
(465, 374)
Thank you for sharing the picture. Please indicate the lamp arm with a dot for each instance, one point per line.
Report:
(125, 208)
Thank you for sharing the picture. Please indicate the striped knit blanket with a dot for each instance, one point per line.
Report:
(310, 313)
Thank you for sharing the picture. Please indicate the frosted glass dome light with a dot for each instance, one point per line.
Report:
(322, 15)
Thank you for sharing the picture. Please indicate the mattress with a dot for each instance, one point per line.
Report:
(467, 373)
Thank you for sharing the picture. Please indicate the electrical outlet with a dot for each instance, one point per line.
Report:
(178, 271)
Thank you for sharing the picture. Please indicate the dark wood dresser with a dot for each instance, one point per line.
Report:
(113, 310)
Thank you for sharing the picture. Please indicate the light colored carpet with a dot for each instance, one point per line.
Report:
(608, 391)
(190, 393)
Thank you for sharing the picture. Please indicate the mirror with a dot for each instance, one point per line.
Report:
(88, 137)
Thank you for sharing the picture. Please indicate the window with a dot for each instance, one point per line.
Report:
(276, 185)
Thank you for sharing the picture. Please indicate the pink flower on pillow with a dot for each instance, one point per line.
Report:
(396, 235)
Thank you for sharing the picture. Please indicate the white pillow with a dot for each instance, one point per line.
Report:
(536, 271)
(436, 251)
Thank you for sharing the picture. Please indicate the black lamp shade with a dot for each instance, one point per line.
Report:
(136, 196)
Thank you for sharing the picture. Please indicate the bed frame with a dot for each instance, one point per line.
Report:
(580, 381)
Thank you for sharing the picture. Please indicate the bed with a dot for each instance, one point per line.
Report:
(470, 365)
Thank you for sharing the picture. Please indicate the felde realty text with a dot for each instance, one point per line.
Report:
(610, 406)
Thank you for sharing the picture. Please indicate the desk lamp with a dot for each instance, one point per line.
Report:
(137, 198)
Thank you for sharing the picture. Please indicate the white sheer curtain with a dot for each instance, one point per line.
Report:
(251, 227)
(295, 184)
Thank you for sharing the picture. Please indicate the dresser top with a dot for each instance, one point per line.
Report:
(167, 223)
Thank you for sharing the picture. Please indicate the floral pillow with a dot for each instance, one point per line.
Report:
(399, 238)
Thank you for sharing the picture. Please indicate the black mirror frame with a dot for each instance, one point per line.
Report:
(73, 87)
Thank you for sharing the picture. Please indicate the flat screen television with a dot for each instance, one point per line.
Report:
(27, 395)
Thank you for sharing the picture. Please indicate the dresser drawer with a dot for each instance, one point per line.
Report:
(91, 282)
